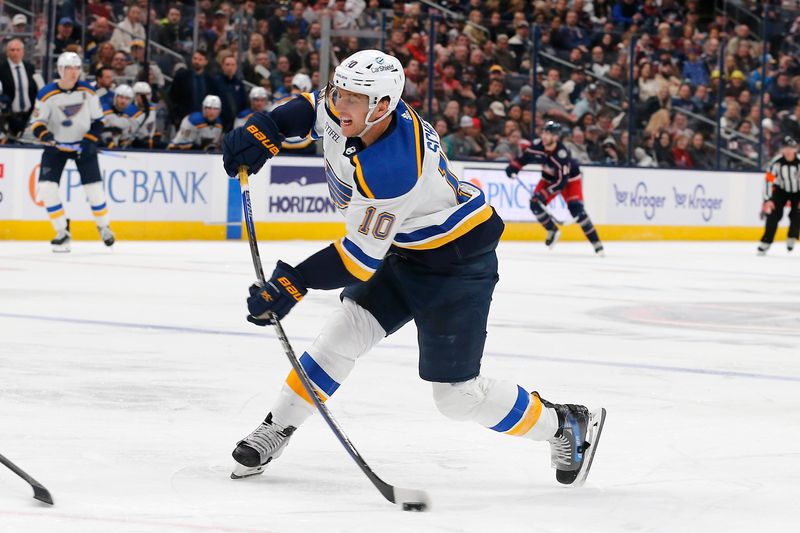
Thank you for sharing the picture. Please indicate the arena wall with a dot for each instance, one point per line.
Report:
(177, 196)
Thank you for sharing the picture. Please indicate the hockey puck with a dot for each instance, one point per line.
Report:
(415, 506)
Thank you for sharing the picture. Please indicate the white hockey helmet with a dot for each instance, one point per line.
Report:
(212, 101)
(302, 82)
(142, 87)
(375, 74)
(68, 59)
(124, 91)
(258, 92)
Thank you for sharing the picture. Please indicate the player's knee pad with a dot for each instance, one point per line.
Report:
(537, 205)
(95, 193)
(460, 401)
(349, 333)
(48, 193)
(576, 210)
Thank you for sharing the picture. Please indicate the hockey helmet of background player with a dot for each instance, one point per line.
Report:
(789, 141)
(212, 101)
(124, 91)
(375, 74)
(68, 59)
(258, 92)
(301, 82)
(142, 87)
(551, 126)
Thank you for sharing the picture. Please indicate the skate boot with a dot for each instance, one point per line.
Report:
(106, 235)
(572, 447)
(260, 447)
(552, 237)
(762, 248)
(598, 249)
(790, 244)
(62, 243)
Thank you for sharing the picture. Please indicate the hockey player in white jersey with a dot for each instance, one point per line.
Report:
(258, 102)
(117, 117)
(201, 130)
(69, 118)
(420, 245)
(144, 132)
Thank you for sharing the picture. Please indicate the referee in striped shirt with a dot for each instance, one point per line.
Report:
(782, 187)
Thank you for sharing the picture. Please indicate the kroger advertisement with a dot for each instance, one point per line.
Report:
(140, 186)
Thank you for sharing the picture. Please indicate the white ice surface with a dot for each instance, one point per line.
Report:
(127, 377)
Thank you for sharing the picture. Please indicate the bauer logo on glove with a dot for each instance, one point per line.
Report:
(282, 292)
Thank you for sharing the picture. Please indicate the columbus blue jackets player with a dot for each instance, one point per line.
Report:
(561, 174)
(69, 118)
(420, 245)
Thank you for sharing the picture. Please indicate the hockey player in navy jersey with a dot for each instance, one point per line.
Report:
(420, 245)
(561, 174)
(68, 118)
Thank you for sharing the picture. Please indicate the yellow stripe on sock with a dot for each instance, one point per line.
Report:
(293, 380)
(529, 419)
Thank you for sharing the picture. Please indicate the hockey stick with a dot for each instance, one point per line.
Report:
(410, 499)
(69, 147)
(546, 209)
(39, 492)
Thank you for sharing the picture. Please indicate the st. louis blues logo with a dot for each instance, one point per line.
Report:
(70, 111)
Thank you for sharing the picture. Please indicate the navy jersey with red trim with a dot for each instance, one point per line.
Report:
(556, 163)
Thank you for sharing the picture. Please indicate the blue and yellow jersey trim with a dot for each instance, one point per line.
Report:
(49, 90)
(392, 165)
(355, 260)
(523, 414)
(324, 384)
(469, 215)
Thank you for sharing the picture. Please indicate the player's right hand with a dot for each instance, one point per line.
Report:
(282, 292)
(251, 145)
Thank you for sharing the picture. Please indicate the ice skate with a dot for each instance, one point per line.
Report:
(790, 244)
(762, 248)
(573, 446)
(62, 243)
(106, 235)
(260, 447)
(598, 249)
(552, 237)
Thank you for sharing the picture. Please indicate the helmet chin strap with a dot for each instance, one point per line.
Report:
(370, 123)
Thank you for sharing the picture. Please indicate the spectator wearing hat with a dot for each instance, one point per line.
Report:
(549, 107)
(520, 42)
(461, 143)
(129, 29)
(590, 102)
(736, 84)
(219, 35)
(17, 87)
(493, 121)
(524, 97)
(503, 55)
(64, 35)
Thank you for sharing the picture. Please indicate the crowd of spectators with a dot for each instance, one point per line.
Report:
(625, 78)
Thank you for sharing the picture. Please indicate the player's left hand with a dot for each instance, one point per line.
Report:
(282, 292)
(251, 145)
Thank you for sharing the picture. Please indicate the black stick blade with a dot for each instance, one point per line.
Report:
(42, 494)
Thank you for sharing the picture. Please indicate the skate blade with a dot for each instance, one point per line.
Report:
(241, 472)
(555, 241)
(593, 431)
(61, 249)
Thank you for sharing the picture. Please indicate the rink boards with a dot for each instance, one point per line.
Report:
(169, 196)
